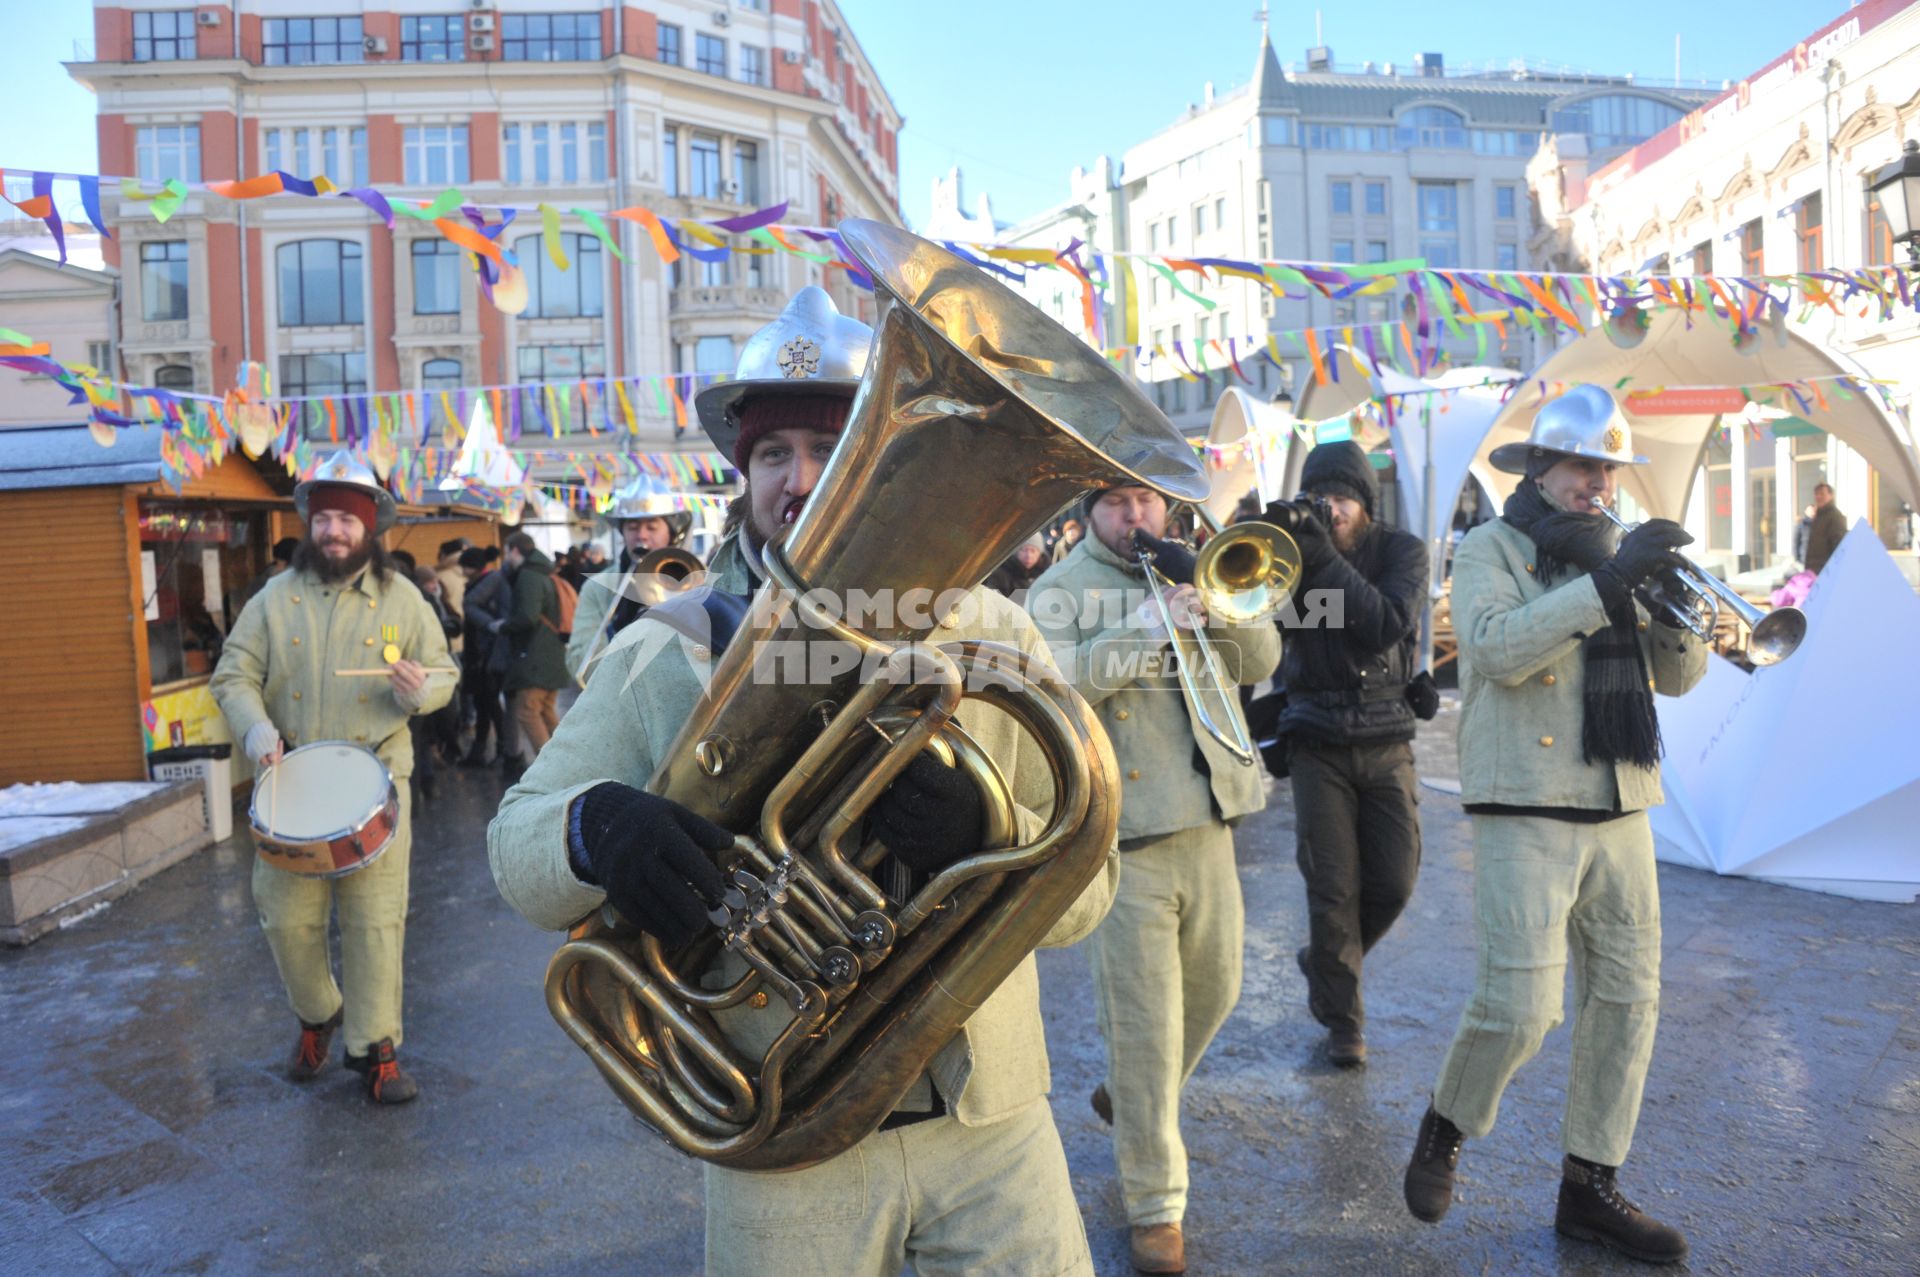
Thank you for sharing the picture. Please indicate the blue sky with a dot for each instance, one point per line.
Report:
(1017, 92)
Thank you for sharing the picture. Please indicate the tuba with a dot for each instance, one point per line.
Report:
(974, 397)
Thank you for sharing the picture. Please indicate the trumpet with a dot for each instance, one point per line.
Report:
(1243, 573)
(654, 577)
(1771, 636)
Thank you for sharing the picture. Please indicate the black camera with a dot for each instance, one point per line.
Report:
(1289, 516)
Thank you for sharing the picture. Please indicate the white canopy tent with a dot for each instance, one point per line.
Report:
(1807, 773)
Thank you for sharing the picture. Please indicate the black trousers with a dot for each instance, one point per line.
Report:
(1357, 834)
(489, 715)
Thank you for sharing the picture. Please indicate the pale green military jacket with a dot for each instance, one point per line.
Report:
(1084, 606)
(642, 691)
(278, 664)
(1523, 677)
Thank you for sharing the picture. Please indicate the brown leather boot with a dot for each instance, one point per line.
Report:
(1593, 1209)
(1157, 1248)
(1102, 1104)
(311, 1052)
(1436, 1157)
(1347, 1046)
(380, 1069)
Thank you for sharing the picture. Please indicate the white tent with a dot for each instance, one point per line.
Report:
(1807, 773)
(482, 458)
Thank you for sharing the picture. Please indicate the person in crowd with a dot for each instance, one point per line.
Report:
(968, 1174)
(489, 602)
(281, 560)
(1016, 575)
(1071, 530)
(536, 652)
(1349, 728)
(1826, 531)
(1559, 760)
(339, 605)
(1167, 961)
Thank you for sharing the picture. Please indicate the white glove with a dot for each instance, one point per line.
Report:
(263, 740)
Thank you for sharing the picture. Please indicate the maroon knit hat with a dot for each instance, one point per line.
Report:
(347, 500)
(764, 414)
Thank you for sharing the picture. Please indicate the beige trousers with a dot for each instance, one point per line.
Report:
(536, 711)
(1166, 971)
(947, 1198)
(373, 926)
(1546, 890)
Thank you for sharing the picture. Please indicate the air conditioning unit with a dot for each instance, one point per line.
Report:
(480, 43)
(721, 17)
(733, 191)
(792, 57)
(479, 4)
(374, 44)
(480, 22)
(208, 17)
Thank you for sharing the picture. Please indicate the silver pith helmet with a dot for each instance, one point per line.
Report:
(649, 498)
(1583, 422)
(345, 470)
(811, 349)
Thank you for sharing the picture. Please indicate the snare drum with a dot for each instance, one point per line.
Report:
(324, 810)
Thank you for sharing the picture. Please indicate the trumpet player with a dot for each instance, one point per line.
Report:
(968, 1175)
(1166, 961)
(1349, 727)
(609, 601)
(1559, 761)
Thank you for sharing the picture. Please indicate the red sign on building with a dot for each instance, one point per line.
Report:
(1685, 403)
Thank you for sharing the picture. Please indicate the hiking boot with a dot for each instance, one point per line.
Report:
(476, 757)
(1103, 1104)
(1436, 1155)
(1592, 1209)
(1157, 1248)
(379, 1068)
(311, 1052)
(1347, 1046)
(1315, 1007)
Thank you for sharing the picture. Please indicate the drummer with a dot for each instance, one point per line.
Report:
(341, 607)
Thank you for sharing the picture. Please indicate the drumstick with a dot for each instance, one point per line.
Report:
(384, 671)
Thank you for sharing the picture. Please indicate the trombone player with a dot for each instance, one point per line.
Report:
(1559, 761)
(643, 514)
(1166, 962)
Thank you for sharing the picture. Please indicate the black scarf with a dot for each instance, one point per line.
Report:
(1619, 722)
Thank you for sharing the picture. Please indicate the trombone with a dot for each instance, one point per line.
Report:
(654, 577)
(1771, 636)
(1243, 573)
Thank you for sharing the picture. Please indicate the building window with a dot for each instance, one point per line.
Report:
(1702, 257)
(1753, 252)
(1506, 202)
(436, 277)
(1879, 234)
(1343, 250)
(163, 280)
(436, 154)
(1173, 231)
(1809, 467)
(550, 37)
(319, 283)
(164, 151)
(433, 39)
(1199, 220)
(710, 55)
(1439, 204)
(713, 355)
(746, 173)
(1506, 256)
(173, 377)
(1808, 229)
(553, 293)
(164, 35)
(295, 42)
(100, 356)
(1376, 250)
(753, 64)
(670, 162)
(1153, 238)
(341, 373)
(1720, 490)
(703, 167)
(1276, 131)
(716, 274)
(1616, 121)
(1434, 127)
(1220, 214)
(561, 363)
(340, 153)
(666, 46)
(1350, 137)
(1342, 199)
(1376, 195)
(441, 374)
(568, 153)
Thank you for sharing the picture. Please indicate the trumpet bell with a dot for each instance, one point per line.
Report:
(1776, 635)
(1247, 571)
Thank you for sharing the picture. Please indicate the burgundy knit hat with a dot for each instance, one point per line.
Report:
(764, 414)
(346, 500)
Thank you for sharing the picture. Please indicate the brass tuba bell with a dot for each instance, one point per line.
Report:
(974, 398)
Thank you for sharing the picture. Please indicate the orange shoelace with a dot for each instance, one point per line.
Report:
(313, 1052)
(383, 1071)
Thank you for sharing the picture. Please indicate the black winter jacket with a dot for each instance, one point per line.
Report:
(1347, 686)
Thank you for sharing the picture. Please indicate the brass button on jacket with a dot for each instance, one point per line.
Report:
(1548, 679)
(1121, 714)
(1134, 774)
(1546, 740)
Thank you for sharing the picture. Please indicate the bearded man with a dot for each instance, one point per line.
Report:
(340, 606)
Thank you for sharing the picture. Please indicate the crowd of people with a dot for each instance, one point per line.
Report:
(1559, 761)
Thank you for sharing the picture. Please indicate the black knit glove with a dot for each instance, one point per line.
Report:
(1309, 532)
(653, 858)
(1170, 559)
(930, 816)
(1645, 551)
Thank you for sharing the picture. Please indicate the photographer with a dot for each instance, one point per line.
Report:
(1349, 730)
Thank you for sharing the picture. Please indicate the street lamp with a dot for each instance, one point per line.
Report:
(1897, 187)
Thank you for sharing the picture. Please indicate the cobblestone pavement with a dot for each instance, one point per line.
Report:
(146, 1127)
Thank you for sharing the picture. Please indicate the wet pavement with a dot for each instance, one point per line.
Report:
(145, 1126)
